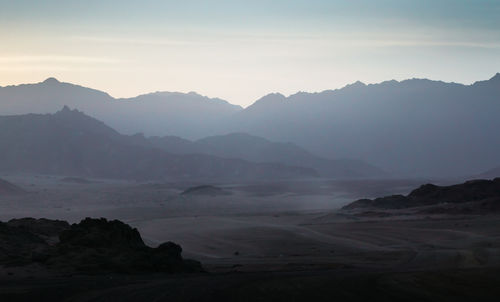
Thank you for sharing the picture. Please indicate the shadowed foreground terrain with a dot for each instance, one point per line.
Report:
(92, 246)
(259, 243)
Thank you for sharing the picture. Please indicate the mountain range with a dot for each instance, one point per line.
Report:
(72, 143)
(259, 150)
(158, 113)
(415, 127)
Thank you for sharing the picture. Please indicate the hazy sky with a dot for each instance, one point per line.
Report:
(242, 50)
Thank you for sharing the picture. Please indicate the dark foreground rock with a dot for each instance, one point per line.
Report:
(326, 285)
(471, 196)
(91, 246)
(28, 240)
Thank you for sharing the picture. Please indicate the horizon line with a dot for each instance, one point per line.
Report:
(54, 79)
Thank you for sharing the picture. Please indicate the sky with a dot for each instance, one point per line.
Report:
(242, 50)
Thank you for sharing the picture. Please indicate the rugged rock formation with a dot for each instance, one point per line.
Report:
(91, 246)
(481, 193)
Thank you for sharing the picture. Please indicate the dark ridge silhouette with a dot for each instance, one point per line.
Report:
(6, 188)
(72, 143)
(480, 194)
(91, 246)
(205, 190)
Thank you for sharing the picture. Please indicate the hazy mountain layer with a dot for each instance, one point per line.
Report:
(413, 127)
(71, 143)
(260, 150)
(187, 115)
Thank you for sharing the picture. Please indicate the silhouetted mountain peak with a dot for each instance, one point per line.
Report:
(388, 83)
(495, 80)
(269, 100)
(496, 77)
(68, 111)
(51, 80)
(357, 84)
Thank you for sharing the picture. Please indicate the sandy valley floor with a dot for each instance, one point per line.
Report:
(289, 228)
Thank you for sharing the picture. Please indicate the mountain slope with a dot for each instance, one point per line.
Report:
(71, 143)
(414, 127)
(492, 173)
(6, 188)
(257, 149)
(260, 150)
(161, 113)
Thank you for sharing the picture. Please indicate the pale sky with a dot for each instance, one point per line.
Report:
(242, 50)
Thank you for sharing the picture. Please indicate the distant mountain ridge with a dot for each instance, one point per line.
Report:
(260, 150)
(72, 143)
(156, 113)
(415, 127)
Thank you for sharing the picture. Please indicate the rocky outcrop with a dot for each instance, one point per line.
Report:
(91, 246)
(481, 193)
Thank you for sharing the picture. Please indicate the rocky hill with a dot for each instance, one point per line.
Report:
(471, 196)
